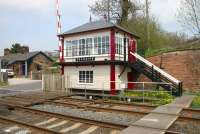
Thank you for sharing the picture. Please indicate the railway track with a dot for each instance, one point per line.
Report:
(47, 122)
(188, 117)
(110, 106)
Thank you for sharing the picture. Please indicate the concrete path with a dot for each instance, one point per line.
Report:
(19, 85)
(160, 119)
(21, 81)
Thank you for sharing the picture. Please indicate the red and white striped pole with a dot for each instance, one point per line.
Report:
(60, 39)
(59, 28)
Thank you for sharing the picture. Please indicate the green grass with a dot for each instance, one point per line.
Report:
(3, 84)
(190, 46)
(153, 98)
(196, 100)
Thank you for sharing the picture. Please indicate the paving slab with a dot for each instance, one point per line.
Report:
(141, 130)
(161, 118)
(183, 102)
(167, 109)
(157, 121)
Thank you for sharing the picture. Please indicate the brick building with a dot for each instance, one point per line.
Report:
(23, 64)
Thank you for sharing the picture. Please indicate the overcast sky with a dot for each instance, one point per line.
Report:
(33, 22)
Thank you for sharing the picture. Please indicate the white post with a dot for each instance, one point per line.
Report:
(26, 69)
(43, 82)
(143, 91)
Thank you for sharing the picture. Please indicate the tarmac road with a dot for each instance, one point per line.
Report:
(19, 85)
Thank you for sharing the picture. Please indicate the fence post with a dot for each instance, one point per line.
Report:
(85, 91)
(103, 91)
(143, 92)
(43, 82)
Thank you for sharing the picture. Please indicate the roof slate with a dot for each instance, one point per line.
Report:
(19, 57)
(95, 26)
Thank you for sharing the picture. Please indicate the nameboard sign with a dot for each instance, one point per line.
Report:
(85, 59)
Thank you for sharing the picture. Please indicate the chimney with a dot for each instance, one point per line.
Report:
(25, 49)
(7, 52)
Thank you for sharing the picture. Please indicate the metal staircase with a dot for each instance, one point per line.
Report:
(156, 74)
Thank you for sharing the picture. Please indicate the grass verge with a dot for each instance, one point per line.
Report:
(152, 98)
(3, 84)
(196, 101)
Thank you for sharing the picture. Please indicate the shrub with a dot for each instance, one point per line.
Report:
(196, 100)
(3, 84)
(156, 98)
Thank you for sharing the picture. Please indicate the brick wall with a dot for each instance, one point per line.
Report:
(40, 60)
(183, 65)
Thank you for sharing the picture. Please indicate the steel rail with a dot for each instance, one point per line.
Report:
(71, 118)
(89, 107)
(151, 107)
(99, 109)
(28, 125)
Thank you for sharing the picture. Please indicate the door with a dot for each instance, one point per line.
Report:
(23, 69)
(130, 79)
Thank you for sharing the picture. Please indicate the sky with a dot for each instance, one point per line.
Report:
(33, 22)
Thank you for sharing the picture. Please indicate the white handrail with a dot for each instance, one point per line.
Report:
(155, 67)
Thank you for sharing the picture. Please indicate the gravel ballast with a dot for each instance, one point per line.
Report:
(116, 118)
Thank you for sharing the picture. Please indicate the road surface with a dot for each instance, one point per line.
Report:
(19, 85)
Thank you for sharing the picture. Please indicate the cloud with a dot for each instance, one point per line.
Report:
(165, 10)
(166, 13)
(26, 4)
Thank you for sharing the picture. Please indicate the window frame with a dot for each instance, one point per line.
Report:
(86, 77)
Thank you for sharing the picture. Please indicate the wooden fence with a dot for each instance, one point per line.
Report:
(36, 75)
(54, 82)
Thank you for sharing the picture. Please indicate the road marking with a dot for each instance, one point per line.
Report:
(11, 129)
(46, 122)
(89, 130)
(56, 125)
(23, 132)
(71, 128)
(115, 132)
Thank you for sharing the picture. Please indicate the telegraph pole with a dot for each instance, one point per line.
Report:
(147, 22)
(108, 10)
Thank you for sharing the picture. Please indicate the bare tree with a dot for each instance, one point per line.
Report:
(189, 15)
(117, 10)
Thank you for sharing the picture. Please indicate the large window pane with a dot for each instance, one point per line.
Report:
(107, 44)
(99, 45)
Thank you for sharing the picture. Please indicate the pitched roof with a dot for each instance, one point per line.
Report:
(20, 57)
(102, 24)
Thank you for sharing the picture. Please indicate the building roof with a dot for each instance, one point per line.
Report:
(12, 58)
(102, 24)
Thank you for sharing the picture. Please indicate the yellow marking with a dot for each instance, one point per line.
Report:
(23, 132)
(46, 122)
(71, 128)
(89, 130)
(115, 132)
(11, 129)
(56, 125)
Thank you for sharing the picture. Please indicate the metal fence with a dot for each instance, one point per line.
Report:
(141, 92)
